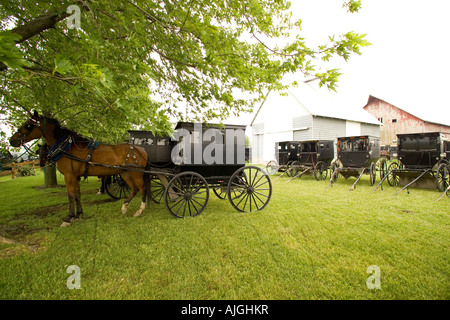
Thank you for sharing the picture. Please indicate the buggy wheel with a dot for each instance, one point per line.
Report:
(288, 170)
(334, 166)
(320, 171)
(249, 189)
(220, 191)
(272, 167)
(373, 173)
(294, 168)
(187, 194)
(442, 177)
(383, 168)
(116, 187)
(156, 189)
(393, 178)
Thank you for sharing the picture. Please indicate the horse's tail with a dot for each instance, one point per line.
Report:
(147, 184)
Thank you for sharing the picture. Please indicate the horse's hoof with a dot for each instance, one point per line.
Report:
(124, 208)
(65, 224)
(138, 213)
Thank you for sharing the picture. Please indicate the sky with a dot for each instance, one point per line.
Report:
(408, 63)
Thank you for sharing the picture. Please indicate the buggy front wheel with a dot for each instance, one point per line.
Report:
(187, 194)
(249, 189)
(116, 187)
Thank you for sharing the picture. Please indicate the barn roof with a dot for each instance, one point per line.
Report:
(318, 102)
(442, 121)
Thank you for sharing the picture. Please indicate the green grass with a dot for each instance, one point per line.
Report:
(308, 243)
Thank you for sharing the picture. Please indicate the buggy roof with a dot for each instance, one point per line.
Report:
(205, 126)
(360, 137)
(310, 141)
(431, 134)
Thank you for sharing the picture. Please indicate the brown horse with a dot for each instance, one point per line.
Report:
(76, 156)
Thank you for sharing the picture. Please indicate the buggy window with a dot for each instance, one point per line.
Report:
(309, 147)
(354, 145)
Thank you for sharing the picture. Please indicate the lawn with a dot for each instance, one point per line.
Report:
(308, 243)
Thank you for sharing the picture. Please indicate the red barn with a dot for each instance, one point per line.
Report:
(395, 120)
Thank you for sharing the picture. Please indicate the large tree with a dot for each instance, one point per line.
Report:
(135, 63)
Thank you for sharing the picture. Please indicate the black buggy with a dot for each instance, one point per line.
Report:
(314, 157)
(423, 161)
(287, 154)
(204, 160)
(357, 156)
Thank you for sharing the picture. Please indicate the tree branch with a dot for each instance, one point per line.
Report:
(36, 26)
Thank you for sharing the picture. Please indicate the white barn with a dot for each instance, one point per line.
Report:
(305, 113)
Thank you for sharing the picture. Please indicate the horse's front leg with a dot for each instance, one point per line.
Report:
(71, 186)
(78, 200)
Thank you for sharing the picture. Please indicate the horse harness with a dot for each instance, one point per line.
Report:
(62, 146)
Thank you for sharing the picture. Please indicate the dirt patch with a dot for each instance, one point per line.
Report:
(17, 231)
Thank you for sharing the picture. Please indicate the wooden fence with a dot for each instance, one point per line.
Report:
(14, 165)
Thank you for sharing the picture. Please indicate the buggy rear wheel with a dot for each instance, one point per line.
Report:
(116, 187)
(272, 167)
(442, 177)
(334, 175)
(221, 191)
(294, 168)
(373, 173)
(383, 168)
(187, 194)
(249, 189)
(320, 171)
(393, 178)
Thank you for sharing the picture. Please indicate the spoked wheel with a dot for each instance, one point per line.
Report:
(116, 187)
(334, 177)
(289, 169)
(442, 177)
(221, 191)
(393, 178)
(272, 167)
(187, 194)
(373, 173)
(383, 168)
(294, 168)
(320, 171)
(157, 189)
(249, 189)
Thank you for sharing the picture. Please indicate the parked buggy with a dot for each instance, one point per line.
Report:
(423, 161)
(357, 156)
(314, 157)
(184, 185)
(287, 153)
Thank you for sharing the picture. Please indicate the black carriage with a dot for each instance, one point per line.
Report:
(286, 153)
(423, 161)
(198, 158)
(357, 156)
(314, 157)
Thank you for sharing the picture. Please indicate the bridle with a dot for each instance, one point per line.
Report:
(22, 136)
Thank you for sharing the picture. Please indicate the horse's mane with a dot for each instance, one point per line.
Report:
(61, 131)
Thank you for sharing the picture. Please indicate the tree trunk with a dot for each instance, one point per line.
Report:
(50, 176)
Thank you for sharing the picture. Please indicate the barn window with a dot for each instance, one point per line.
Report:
(394, 120)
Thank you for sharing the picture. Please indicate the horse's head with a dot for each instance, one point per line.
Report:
(30, 130)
